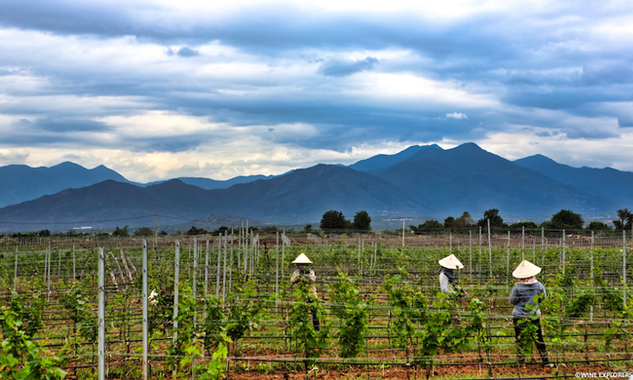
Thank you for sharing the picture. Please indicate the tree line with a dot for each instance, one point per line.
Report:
(562, 220)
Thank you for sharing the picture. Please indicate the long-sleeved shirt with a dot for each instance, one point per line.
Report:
(445, 285)
(308, 276)
(523, 294)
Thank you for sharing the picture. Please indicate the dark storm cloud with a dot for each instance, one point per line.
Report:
(65, 125)
(548, 61)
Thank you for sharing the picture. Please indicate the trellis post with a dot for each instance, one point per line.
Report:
(101, 337)
(145, 318)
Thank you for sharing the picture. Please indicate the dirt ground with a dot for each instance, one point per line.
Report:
(443, 372)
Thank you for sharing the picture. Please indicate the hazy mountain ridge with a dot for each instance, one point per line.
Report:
(22, 183)
(421, 181)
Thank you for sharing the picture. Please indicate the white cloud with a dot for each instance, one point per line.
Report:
(456, 116)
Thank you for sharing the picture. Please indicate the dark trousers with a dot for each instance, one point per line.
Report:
(519, 325)
(315, 318)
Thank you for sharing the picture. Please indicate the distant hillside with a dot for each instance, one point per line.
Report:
(302, 195)
(20, 182)
(382, 161)
(421, 182)
(23, 183)
(467, 178)
(208, 183)
(608, 183)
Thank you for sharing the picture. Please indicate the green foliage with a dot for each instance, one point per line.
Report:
(408, 308)
(625, 219)
(144, 232)
(121, 232)
(428, 226)
(581, 304)
(213, 325)
(21, 358)
(599, 226)
(442, 331)
(28, 308)
(310, 343)
(78, 306)
(216, 369)
(567, 219)
(362, 221)
(352, 311)
(333, 221)
(520, 225)
(186, 330)
(244, 311)
(193, 231)
(495, 220)
(612, 299)
(619, 328)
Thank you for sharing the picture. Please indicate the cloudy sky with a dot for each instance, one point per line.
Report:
(158, 89)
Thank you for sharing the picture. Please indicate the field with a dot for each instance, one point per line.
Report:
(82, 304)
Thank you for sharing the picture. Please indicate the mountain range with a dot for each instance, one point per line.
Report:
(421, 182)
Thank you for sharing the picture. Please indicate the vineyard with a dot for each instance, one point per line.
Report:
(217, 307)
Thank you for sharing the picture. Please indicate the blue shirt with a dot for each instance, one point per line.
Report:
(522, 295)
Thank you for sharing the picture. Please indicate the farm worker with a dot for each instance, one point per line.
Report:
(307, 275)
(526, 295)
(449, 283)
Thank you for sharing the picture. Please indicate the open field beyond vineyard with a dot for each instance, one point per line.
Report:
(223, 307)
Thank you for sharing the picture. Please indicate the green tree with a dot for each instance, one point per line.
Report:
(567, 219)
(465, 221)
(450, 223)
(599, 226)
(196, 231)
(333, 221)
(495, 220)
(362, 221)
(625, 218)
(526, 224)
(144, 231)
(121, 232)
(431, 225)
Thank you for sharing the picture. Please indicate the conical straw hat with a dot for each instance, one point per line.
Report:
(451, 262)
(302, 259)
(526, 269)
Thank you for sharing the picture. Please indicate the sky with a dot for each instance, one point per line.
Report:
(158, 89)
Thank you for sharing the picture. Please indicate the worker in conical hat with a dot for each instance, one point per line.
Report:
(526, 296)
(449, 283)
(307, 275)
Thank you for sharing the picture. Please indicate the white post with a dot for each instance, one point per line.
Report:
(226, 243)
(176, 284)
(15, 284)
(522, 242)
(470, 252)
(277, 267)
(195, 306)
(542, 246)
(624, 267)
(101, 341)
(145, 318)
(564, 251)
(217, 277)
(490, 248)
(508, 264)
(591, 274)
(450, 243)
